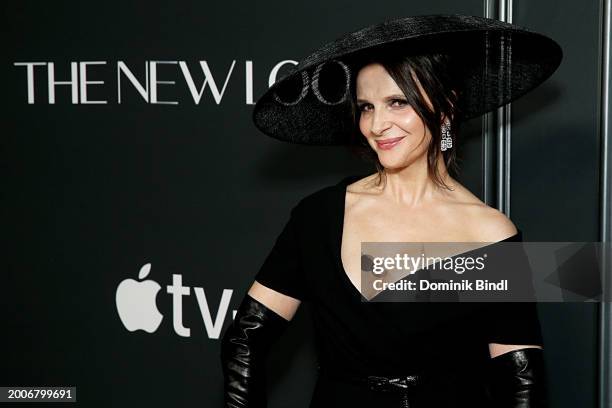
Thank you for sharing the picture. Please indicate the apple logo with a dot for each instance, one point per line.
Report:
(136, 302)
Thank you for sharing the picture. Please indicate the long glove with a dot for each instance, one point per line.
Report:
(244, 347)
(517, 379)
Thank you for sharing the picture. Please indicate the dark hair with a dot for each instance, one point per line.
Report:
(434, 74)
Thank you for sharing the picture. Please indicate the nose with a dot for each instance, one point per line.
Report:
(379, 123)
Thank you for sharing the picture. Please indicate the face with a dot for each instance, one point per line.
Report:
(391, 126)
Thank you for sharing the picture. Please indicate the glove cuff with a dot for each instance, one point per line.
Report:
(517, 379)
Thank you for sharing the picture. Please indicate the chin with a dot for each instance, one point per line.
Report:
(393, 161)
(392, 164)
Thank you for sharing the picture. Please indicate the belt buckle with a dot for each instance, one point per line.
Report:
(387, 384)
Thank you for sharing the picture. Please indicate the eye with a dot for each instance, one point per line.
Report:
(399, 102)
(363, 107)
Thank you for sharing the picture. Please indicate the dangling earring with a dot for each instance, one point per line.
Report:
(447, 141)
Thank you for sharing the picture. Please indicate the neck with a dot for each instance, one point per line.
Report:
(412, 185)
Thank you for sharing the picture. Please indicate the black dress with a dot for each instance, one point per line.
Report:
(447, 343)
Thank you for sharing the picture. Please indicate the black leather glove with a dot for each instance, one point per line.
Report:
(244, 347)
(517, 379)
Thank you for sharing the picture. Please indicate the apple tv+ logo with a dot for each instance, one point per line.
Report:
(135, 300)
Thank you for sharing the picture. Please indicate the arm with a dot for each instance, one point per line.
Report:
(284, 305)
(516, 368)
(497, 349)
(260, 319)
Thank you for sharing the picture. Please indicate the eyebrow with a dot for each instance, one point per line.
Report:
(386, 98)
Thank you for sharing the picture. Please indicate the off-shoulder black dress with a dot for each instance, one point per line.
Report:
(445, 343)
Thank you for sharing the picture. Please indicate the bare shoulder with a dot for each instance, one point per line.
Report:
(493, 225)
(362, 190)
(365, 185)
(486, 224)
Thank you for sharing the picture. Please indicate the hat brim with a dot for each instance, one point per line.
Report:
(496, 63)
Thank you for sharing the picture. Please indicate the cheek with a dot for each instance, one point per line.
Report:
(410, 122)
(414, 125)
(418, 134)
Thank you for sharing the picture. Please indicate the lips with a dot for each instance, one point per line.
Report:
(387, 144)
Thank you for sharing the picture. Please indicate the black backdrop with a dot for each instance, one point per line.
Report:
(93, 192)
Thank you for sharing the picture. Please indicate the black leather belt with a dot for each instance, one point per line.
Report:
(403, 385)
(395, 384)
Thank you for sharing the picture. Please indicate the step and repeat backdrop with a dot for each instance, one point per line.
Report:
(139, 200)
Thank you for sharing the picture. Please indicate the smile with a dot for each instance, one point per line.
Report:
(388, 144)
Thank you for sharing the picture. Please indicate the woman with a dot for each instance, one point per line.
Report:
(398, 91)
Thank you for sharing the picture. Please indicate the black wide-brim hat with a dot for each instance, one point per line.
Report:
(494, 64)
